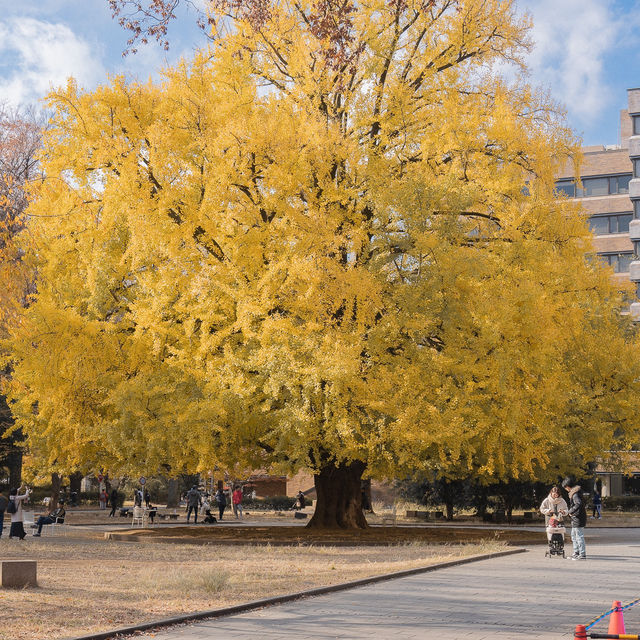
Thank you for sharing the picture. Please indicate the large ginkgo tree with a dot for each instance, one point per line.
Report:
(330, 241)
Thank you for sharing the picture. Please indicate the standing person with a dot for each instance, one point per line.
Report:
(152, 512)
(17, 518)
(237, 502)
(301, 500)
(3, 507)
(103, 500)
(147, 498)
(206, 504)
(114, 498)
(597, 505)
(193, 502)
(221, 501)
(554, 505)
(578, 514)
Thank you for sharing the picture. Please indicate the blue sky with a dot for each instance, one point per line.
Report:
(587, 53)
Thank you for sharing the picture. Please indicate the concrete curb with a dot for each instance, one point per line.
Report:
(289, 597)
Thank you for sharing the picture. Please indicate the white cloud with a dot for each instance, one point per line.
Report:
(39, 55)
(572, 39)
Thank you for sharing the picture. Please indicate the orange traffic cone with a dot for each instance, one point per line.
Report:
(580, 632)
(616, 621)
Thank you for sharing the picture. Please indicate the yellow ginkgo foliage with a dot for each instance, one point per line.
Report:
(329, 242)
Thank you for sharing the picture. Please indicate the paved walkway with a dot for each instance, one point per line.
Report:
(522, 596)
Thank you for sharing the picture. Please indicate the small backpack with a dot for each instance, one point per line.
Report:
(12, 507)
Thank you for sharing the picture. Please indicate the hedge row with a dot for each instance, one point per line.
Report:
(621, 503)
(277, 503)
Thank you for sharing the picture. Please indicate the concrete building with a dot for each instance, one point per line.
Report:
(605, 181)
(634, 192)
(609, 192)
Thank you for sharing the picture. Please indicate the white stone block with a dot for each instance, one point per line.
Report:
(634, 230)
(633, 97)
(634, 146)
(634, 188)
(634, 271)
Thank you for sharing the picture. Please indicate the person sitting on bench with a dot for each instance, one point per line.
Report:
(55, 517)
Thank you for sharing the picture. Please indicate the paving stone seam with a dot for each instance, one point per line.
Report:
(289, 597)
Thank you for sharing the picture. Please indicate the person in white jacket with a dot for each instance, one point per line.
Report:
(17, 518)
(554, 505)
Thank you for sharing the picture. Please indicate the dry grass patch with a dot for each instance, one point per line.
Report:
(90, 585)
(292, 535)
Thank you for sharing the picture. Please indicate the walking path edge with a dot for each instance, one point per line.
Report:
(289, 597)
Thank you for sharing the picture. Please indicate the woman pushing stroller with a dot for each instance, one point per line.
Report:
(554, 508)
(554, 505)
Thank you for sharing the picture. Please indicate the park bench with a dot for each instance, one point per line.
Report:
(167, 516)
(421, 515)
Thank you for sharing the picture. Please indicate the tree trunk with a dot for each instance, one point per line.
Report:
(339, 497)
(75, 481)
(10, 452)
(449, 509)
(173, 492)
(56, 485)
(14, 462)
(367, 504)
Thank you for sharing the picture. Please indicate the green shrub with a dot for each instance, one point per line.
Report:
(38, 494)
(88, 497)
(621, 503)
(276, 503)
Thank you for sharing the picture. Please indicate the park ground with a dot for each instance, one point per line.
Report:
(88, 583)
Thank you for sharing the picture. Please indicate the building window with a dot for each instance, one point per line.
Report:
(566, 188)
(636, 209)
(613, 223)
(619, 261)
(593, 187)
(619, 184)
(631, 485)
(636, 125)
(636, 167)
(604, 186)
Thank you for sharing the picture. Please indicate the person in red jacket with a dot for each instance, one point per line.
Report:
(236, 498)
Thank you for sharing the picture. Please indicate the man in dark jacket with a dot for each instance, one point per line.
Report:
(193, 503)
(578, 514)
(114, 499)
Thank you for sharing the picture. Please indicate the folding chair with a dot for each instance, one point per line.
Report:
(54, 528)
(140, 517)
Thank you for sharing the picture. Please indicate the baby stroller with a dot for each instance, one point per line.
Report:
(555, 536)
